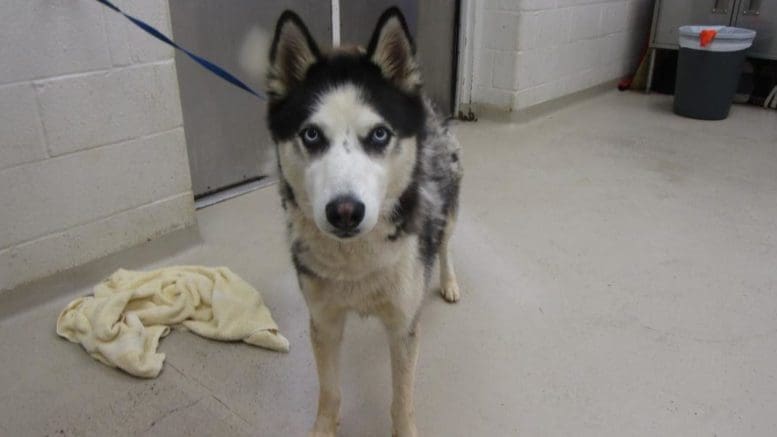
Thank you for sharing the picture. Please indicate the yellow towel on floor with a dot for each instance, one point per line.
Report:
(122, 323)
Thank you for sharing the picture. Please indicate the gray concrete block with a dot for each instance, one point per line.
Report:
(45, 38)
(20, 128)
(52, 195)
(130, 45)
(80, 244)
(89, 110)
(500, 30)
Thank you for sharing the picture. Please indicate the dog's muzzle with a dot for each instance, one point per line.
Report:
(345, 213)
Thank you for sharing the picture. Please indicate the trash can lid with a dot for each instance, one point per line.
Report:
(726, 39)
(723, 32)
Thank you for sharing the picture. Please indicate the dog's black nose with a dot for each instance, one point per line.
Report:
(345, 213)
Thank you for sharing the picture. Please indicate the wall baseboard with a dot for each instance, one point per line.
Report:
(67, 283)
(526, 114)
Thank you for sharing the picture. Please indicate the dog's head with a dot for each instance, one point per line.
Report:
(346, 123)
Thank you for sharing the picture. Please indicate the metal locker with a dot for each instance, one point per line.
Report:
(671, 14)
(226, 137)
(761, 16)
(433, 25)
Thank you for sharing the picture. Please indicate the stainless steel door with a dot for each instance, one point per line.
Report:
(226, 136)
(433, 25)
(675, 13)
(761, 16)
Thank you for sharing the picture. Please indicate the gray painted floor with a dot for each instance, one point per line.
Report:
(619, 268)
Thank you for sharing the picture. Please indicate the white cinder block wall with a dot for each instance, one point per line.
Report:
(92, 151)
(527, 52)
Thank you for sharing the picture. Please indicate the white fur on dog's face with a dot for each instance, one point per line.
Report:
(345, 167)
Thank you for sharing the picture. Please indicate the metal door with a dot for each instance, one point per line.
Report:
(761, 16)
(226, 137)
(433, 24)
(675, 13)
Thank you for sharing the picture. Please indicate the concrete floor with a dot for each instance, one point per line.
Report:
(619, 268)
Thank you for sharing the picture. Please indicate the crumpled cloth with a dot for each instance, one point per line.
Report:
(121, 325)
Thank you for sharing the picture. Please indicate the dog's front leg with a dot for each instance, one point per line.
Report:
(403, 343)
(326, 333)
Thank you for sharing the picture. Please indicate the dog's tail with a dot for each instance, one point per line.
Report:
(254, 53)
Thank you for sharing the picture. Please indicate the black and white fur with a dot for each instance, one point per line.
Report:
(356, 138)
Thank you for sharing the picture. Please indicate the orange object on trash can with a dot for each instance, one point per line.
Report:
(706, 36)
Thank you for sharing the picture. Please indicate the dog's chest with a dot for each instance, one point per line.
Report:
(347, 261)
(360, 274)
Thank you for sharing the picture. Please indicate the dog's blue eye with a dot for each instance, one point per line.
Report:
(380, 136)
(311, 137)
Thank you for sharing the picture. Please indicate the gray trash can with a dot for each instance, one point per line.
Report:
(707, 77)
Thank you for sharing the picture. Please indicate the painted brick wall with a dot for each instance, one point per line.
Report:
(92, 151)
(530, 51)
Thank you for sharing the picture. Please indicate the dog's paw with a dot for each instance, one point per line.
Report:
(325, 427)
(408, 431)
(320, 430)
(450, 291)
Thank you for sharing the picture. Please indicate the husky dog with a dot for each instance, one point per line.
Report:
(369, 180)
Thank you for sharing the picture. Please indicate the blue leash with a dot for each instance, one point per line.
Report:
(215, 69)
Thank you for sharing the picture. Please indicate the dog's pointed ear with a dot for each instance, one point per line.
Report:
(391, 48)
(293, 51)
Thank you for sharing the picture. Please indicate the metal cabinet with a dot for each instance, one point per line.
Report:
(759, 15)
(228, 143)
(669, 15)
(226, 137)
(433, 24)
